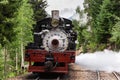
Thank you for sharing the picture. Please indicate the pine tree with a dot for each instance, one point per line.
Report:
(24, 22)
(39, 9)
(102, 16)
(7, 13)
(7, 33)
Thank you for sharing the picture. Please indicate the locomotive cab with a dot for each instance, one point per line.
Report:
(53, 47)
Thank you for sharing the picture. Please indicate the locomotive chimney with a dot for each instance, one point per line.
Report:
(55, 18)
(55, 14)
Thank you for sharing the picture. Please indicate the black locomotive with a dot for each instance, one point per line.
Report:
(54, 42)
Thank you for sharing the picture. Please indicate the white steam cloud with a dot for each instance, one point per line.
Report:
(67, 8)
(104, 61)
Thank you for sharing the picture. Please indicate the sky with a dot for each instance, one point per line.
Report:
(106, 60)
(66, 7)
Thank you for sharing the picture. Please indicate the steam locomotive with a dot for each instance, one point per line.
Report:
(53, 47)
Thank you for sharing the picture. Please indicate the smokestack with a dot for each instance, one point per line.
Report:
(55, 14)
(55, 18)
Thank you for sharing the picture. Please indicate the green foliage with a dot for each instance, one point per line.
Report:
(116, 34)
(7, 33)
(24, 22)
(7, 10)
(78, 29)
(15, 27)
(102, 16)
(39, 9)
(16, 23)
(81, 29)
(103, 19)
(1, 64)
(103, 23)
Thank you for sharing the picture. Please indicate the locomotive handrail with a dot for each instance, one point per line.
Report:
(40, 33)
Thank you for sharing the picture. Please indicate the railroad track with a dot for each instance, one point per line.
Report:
(117, 75)
(112, 76)
(98, 75)
(76, 75)
(38, 78)
(73, 74)
(86, 75)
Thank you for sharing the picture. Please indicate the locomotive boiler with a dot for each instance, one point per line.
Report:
(53, 47)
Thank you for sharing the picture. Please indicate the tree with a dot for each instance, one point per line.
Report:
(39, 9)
(7, 11)
(102, 17)
(24, 22)
(16, 23)
(80, 28)
(7, 33)
(116, 35)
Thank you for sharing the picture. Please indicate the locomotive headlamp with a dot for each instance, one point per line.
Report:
(55, 22)
(55, 18)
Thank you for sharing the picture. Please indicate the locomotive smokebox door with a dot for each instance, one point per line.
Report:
(55, 18)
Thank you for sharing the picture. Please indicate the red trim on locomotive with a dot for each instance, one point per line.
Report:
(37, 55)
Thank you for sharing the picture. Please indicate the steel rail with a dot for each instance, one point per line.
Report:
(116, 75)
(38, 78)
(58, 78)
(98, 75)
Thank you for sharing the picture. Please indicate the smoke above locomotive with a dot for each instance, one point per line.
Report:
(55, 34)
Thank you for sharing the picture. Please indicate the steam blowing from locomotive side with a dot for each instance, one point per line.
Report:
(53, 47)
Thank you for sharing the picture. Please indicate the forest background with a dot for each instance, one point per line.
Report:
(18, 18)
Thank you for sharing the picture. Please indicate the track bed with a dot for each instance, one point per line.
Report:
(75, 73)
